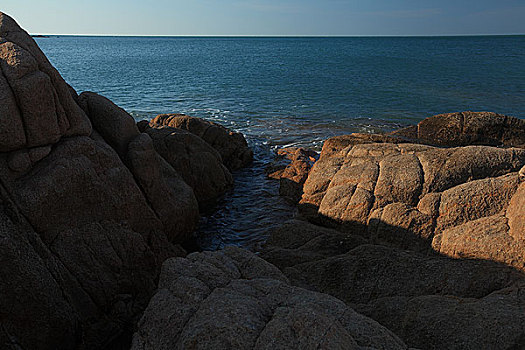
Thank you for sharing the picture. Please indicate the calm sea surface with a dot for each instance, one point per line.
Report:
(292, 91)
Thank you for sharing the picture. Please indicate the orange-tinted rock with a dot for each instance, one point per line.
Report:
(292, 175)
(468, 128)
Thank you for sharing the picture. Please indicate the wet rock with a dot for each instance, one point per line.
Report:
(231, 145)
(232, 299)
(292, 175)
(196, 161)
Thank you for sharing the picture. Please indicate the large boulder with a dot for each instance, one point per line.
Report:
(231, 145)
(407, 194)
(198, 163)
(467, 128)
(82, 240)
(37, 108)
(420, 298)
(169, 196)
(113, 123)
(234, 300)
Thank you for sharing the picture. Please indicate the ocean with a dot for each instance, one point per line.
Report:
(292, 92)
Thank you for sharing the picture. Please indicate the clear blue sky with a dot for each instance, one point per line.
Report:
(269, 17)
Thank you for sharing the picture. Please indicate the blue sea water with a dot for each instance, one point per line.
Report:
(292, 91)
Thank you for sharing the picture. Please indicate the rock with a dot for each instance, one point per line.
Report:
(19, 161)
(385, 183)
(197, 162)
(418, 297)
(232, 299)
(37, 107)
(83, 243)
(38, 153)
(467, 128)
(293, 175)
(446, 322)
(142, 125)
(85, 209)
(370, 272)
(113, 123)
(29, 291)
(298, 241)
(402, 226)
(231, 145)
(169, 196)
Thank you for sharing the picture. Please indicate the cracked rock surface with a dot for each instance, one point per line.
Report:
(232, 299)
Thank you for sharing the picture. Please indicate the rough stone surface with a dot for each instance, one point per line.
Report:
(467, 128)
(196, 161)
(81, 245)
(292, 175)
(37, 107)
(113, 123)
(235, 300)
(231, 145)
(406, 194)
(419, 297)
(298, 241)
(169, 196)
(448, 322)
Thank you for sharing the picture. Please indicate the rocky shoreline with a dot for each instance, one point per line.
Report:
(412, 239)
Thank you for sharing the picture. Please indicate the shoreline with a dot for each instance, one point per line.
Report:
(409, 239)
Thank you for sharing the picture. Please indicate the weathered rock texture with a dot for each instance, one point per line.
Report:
(467, 128)
(293, 175)
(198, 163)
(37, 108)
(232, 146)
(409, 195)
(456, 213)
(420, 298)
(84, 225)
(113, 123)
(235, 300)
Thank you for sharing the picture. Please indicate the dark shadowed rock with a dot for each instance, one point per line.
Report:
(419, 297)
(231, 145)
(298, 241)
(234, 300)
(81, 244)
(169, 196)
(448, 322)
(113, 123)
(196, 161)
(467, 128)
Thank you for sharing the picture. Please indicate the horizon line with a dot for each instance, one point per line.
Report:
(275, 36)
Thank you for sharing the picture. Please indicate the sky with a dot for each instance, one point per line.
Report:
(270, 17)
